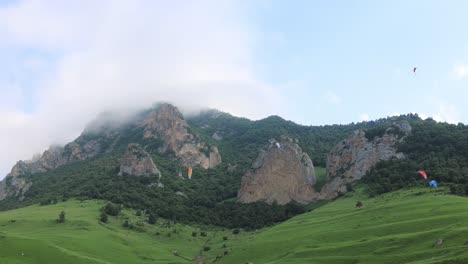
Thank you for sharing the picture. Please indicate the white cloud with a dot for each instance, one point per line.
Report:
(332, 98)
(460, 71)
(127, 54)
(447, 113)
(364, 117)
(444, 112)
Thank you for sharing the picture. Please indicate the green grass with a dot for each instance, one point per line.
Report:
(321, 176)
(399, 227)
(83, 239)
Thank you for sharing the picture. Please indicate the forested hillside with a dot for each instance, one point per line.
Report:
(210, 196)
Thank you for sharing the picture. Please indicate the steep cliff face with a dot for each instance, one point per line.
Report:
(167, 124)
(14, 184)
(353, 157)
(282, 172)
(137, 162)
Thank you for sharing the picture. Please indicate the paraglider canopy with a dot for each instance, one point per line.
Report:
(433, 183)
(423, 174)
(189, 172)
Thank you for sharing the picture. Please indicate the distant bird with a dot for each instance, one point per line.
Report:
(414, 70)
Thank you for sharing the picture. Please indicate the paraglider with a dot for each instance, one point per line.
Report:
(422, 173)
(414, 70)
(189, 172)
(433, 183)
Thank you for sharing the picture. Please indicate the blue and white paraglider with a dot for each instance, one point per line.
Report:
(433, 183)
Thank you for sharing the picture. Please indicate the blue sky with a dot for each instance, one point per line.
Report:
(313, 62)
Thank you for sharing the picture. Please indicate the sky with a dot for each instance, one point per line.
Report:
(313, 62)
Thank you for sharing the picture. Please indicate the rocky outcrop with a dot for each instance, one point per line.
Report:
(75, 151)
(216, 136)
(137, 162)
(281, 173)
(166, 123)
(14, 183)
(353, 157)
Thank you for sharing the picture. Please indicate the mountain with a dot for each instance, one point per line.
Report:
(240, 167)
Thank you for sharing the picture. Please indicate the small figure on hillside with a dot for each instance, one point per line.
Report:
(438, 243)
(359, 204)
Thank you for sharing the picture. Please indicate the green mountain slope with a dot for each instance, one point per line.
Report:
(32, 235)
(397, 227)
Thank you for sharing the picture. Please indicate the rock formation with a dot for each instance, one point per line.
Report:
(137, 162)
(166, 123)
(349, 161)
(282, 172)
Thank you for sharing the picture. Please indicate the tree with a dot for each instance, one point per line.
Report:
(103, 217)
(359, 204)
(61, 218)
(112, 209)
(152, 219)
(138, 213)
(194, 234)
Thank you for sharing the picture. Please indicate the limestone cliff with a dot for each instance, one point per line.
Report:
(167, 124)
(137, 162)
(282, 172)
(349, 161)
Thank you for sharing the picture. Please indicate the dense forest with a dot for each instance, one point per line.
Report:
(440, 149)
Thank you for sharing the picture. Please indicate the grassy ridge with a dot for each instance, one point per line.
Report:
(399, 227)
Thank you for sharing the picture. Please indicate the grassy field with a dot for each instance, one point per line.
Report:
(399, 227)
(32, 235)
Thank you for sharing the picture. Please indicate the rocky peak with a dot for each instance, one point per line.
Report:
(137, 162)
(282, 172)
(353, 157)
(166, 122)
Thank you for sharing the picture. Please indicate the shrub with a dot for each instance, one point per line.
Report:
(225, 238)
(152, 219)
(194, 234)
(359, 204)
(203, 234)
(112, 209)
(206, 248)
(236, 231)
(61, 218)
(103, 218)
